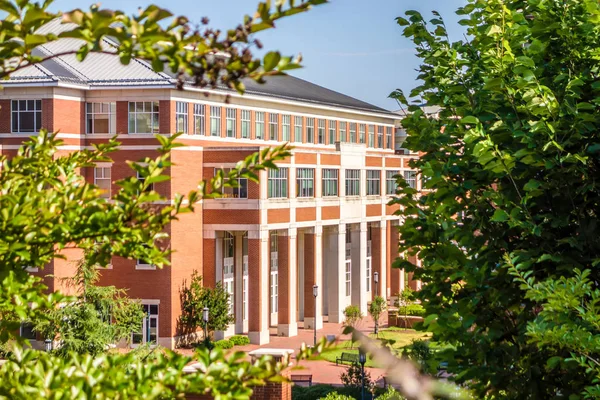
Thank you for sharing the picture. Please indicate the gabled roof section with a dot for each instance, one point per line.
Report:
(296, 89)
(104, 70)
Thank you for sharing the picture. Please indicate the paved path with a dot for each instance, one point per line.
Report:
(321, 370)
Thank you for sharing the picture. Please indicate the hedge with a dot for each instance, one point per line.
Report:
(239, 340)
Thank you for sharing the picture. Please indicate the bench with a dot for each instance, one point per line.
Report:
(302, 379)
(351, 358)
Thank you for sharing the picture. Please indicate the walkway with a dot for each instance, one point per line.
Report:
(322, 371)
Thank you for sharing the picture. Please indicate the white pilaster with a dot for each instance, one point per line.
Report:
(383, 278)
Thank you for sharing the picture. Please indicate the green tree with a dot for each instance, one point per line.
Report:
(510, 167)
(376, 308)
(41, 209)
(98, 317)
(352, 316)
(196, 297)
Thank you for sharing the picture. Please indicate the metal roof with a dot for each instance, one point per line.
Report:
(106, 70)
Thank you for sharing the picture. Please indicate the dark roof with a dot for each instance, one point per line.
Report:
(105, 70)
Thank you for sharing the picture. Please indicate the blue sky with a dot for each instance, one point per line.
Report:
(351, 46)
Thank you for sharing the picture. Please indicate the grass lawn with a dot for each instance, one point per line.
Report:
(400, 336)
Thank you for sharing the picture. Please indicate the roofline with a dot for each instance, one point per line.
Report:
(266, 98)
(293, 102)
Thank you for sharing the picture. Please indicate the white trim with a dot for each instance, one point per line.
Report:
(150, 302)
(291, 102)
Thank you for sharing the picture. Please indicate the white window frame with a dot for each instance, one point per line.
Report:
(380, 137)
(321, 131)
(343, 138)
(246, 124)
(215, 121)
(388, 137)
(143, 265)
(273, 126)
(331, 126)
(181, 116)
(371, 143)
(410, 176)
(154, 113)
(297, 129)
(259, 124)
(305, 182)
(147, 318)
(277, 184)
(242, 182)
(230, 122)
(200, 119)
(310, 130)
(352, 132)
(373, 182)
(245, 277)
(106, 108)
(286, 128)
(348, 276)
(352, 181)
(274, 273)
(361, 133)
(330, 182)
(100, 175)
(228, 268)
(16, 111)
(391, 184)
(143, 178)
(32, 331)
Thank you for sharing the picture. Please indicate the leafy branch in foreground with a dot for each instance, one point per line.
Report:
(47, 206)
(511, 164)
(186, 49)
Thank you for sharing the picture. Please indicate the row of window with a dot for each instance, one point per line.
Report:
(144, 117)
(277, 184)
(305, 182)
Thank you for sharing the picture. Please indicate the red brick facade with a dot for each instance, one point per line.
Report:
(197, 238)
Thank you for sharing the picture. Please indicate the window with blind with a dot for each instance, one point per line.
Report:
(330, 182)
(277, 185)
(352, 182)
(305, 182)
(373, 182)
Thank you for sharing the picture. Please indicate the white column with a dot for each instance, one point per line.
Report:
(383, 278)
(261, 336)
(241, 325)
(319, 274)
(337, 275)
(364, 295)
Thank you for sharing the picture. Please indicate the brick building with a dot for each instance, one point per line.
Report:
(322, 218)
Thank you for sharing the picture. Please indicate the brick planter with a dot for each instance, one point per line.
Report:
(401, 321)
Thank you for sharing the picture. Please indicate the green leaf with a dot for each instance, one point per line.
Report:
(271, 60)
(499, 216)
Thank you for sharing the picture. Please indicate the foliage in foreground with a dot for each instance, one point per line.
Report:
(508, 234)
(34, 374)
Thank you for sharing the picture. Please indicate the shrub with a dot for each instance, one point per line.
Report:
(318, 391)
(352, 315)
(239, 340)
(337, 396)
(224, 344)
(376, 308)
(390, 394)
(415, 310)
